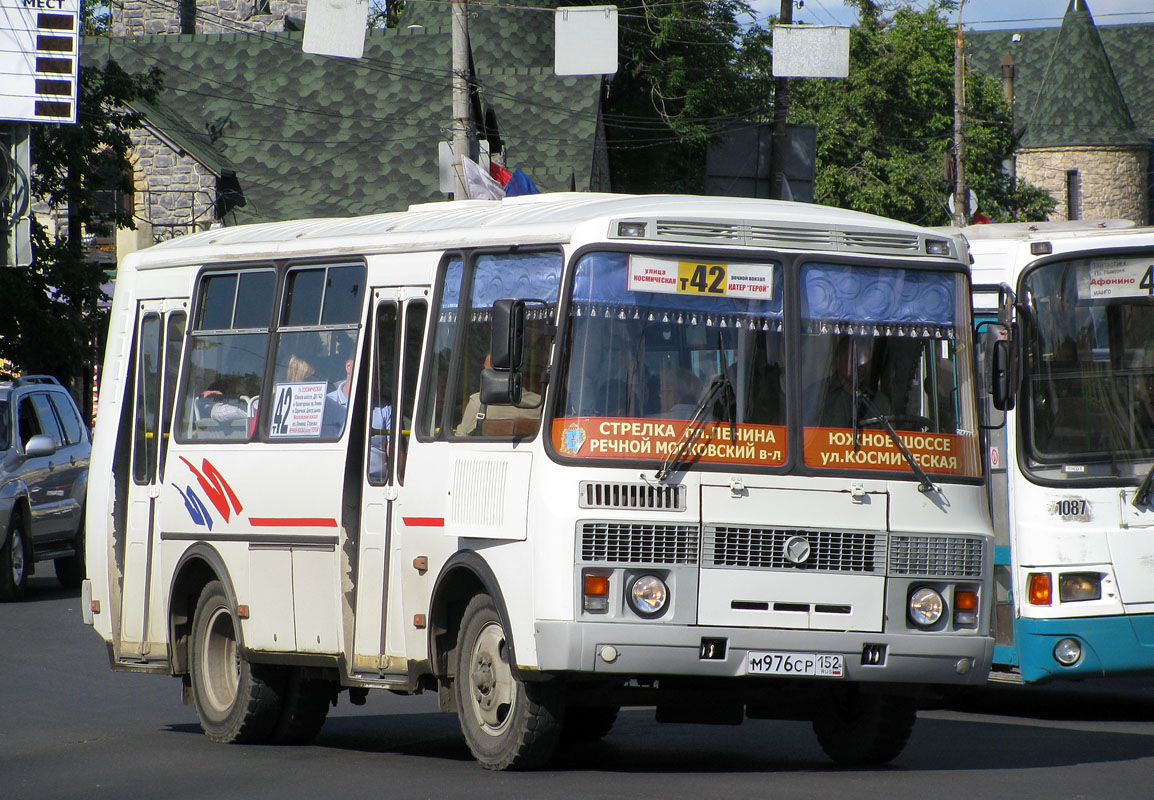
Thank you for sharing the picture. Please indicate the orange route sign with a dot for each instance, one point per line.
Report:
(633, 438)
(941, 453)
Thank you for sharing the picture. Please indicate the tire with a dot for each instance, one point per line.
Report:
(508, 724)
(305, 706)
(588, 723)
(235, 701)
(70, 569)
(856, 729)
(14, 563)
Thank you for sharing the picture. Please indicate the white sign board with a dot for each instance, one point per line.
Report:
(1122, 277)
(39, 51)
(810, 51)
(336, 28)
(702, 278)
(299, 409)
(585, 40)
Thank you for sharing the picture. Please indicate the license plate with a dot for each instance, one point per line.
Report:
(821, 665)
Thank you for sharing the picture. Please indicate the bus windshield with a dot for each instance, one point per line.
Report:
(648, 339)
(1089, 367)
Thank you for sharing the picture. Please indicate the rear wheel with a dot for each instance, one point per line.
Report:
(13, 563)
(236, 701)
(70, 569)
(306, 705)
(508, 724)
(856, 729)
(588, 723)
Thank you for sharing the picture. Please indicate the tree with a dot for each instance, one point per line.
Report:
(50, 316)
(687, 70)
(884, 133)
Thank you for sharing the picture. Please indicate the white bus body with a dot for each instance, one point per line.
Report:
(1074, 544)
(671, 514)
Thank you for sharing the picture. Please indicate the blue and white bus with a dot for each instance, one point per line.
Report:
(1071, 470)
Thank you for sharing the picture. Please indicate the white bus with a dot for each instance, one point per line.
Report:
(1071, 468)
(548, 457)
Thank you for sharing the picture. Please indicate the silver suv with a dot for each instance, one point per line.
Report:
(44, 450)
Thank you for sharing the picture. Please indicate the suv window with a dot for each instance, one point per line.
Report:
(46, 416)
(66, 413)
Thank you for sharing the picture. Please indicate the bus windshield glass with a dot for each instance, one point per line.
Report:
(646, 337)
(655, 343)
(1089, 367)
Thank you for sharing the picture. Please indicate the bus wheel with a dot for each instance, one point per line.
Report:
(588, 723)
(856, 729)
(13, 564)
(235, 701)
(306, 705)
(508, 724)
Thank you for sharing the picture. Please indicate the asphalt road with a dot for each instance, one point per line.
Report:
(71, 728)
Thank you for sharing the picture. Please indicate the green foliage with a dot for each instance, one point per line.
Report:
(885, 132)
(50, 320)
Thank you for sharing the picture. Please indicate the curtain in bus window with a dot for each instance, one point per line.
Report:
(853, 299)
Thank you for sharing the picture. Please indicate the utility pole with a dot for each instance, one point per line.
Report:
(961, 196)
(780, 110)
(462, 119)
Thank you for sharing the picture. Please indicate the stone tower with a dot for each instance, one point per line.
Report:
(1080, 142)
(147, 17)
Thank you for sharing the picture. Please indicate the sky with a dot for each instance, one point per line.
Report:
(979, 14)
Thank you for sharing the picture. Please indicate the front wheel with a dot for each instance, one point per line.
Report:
(235, 701)
(13, 565)
(856, 729)
(508, 724)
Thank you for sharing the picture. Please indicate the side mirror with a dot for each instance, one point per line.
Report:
(39, 446)
(1002, 371)
(507, 346)
(501, 387)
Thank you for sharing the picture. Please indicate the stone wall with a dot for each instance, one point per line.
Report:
(152, 17)
(174, 192)
(1115, 181)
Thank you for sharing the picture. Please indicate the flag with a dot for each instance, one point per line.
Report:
(499, 173)
(478, 185)
(520, 183)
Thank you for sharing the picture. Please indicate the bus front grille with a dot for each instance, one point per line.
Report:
(633, 496)
(937, 556)
(638, 543)
(768, 548)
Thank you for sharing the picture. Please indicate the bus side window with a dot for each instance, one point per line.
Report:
(416, 314)
(226, 356)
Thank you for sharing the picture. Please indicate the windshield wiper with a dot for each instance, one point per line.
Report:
(1142, 498)
(924, 482)
(720, 391)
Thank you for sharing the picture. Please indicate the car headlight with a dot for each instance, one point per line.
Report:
(648, 595)
(926, 607)
(1075, 586)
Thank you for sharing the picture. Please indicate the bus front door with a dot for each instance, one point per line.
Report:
(159, 336)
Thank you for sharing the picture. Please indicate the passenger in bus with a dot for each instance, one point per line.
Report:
(829, 403)
(479, 419)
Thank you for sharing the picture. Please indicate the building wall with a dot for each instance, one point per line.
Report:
(148, 17)
(174, 193)
(1114, 181)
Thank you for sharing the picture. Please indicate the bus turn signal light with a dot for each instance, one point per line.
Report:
(1040, 589)
(596, 590)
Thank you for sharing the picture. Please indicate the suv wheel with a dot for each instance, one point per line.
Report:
(13, 564)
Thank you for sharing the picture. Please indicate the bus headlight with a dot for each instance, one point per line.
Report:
(1074, 586)
(648, 595)
(1067, 652)
(926, 607)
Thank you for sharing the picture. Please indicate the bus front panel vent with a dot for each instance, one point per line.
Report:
(604, 542)
(631, 496)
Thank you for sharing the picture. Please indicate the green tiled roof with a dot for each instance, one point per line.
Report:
(314, 136)
(1078, 84)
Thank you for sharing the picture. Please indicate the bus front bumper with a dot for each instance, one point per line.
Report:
(631, 650)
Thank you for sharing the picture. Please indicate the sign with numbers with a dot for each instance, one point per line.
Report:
(298, 409)
(705, 279)
(39, 51)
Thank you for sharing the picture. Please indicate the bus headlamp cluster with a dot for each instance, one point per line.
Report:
(648, 595)
(926, 607)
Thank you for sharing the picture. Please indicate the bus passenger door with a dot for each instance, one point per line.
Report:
(159, 337)
(398, 331)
